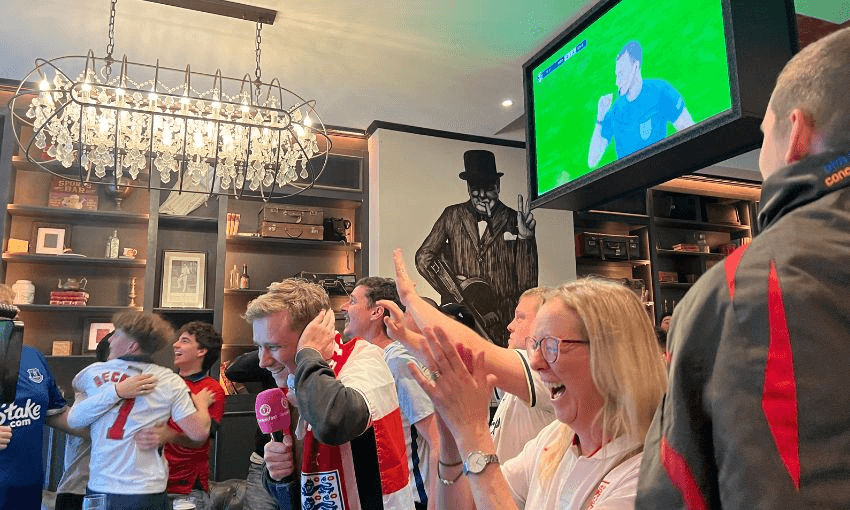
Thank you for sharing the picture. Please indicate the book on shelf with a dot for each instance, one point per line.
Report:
(69, 294)
(688, 247)
(68, 302)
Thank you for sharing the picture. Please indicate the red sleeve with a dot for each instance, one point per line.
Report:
(217, 407)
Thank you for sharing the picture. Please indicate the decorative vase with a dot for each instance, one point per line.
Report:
(24, 292)
(118, 190)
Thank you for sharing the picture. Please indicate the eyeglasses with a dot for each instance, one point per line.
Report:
(550, 345)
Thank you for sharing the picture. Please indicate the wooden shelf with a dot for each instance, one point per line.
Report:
(62, 213)
(597, 261)
(34, 258)
(675, 285)
(273, 241)
(675, 253)
(699, 225)
(618, 217)
(244, 292)
(76, 309)
(188, 222)
(198, 311)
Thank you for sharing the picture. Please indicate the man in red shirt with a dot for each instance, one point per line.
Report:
(197, 347)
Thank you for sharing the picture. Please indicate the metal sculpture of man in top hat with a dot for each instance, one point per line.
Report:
(482, 253)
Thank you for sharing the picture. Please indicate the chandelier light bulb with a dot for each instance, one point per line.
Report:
(44, 85)
(307, 120)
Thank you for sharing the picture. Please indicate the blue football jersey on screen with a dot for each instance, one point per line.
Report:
(640, 123)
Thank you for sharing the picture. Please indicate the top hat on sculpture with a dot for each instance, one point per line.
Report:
(480, 167)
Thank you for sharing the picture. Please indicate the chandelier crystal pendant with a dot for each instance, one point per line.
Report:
(101, 121)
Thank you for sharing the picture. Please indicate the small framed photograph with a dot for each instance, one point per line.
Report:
(51, 238)
(94, 331)
(183, 279)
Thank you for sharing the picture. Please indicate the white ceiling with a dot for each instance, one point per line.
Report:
(438, 64)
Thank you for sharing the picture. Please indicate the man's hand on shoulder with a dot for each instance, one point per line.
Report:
(203, 399)
(135, 386)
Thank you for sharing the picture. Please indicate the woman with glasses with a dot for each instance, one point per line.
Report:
(594, 347)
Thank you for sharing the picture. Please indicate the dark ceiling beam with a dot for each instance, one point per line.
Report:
(225, 8)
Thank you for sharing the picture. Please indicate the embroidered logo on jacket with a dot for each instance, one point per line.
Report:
(35, 375)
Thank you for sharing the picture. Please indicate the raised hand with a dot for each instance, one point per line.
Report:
(465, 412)
(397, 330)
(603, 106)
(524, 219)
(404, 284)
(320, 334)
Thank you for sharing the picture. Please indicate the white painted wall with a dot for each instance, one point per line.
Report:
(412, 178)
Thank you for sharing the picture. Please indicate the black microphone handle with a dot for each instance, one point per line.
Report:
(277, 435)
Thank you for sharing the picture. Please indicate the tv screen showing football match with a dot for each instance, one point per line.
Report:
(643, 71)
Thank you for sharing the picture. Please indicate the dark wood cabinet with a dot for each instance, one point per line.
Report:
(684, 228)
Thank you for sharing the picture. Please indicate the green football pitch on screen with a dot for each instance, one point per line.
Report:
(683, 43)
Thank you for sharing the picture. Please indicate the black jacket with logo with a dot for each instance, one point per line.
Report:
(757, 413)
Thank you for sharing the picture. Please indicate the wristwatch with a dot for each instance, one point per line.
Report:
(476, 462)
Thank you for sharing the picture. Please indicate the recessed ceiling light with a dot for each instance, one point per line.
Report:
(507, 103)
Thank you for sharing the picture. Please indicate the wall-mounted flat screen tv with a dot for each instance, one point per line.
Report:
(637, 92)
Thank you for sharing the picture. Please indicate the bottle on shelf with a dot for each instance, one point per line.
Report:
(112, 245)
(244, 279)
(233, 280)
(702, 243)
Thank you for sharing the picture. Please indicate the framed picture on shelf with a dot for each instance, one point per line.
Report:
(183, 279)
(94, 331)
(51, 238)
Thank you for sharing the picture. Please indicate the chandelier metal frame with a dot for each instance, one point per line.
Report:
(240, 137)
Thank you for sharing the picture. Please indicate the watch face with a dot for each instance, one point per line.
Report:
(477, 462)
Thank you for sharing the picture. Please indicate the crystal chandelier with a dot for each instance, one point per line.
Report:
(147, 126)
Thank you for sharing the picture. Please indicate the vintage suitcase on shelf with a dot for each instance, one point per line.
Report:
(291, 230)
(292, 214)
(588, 245)
(607, 246)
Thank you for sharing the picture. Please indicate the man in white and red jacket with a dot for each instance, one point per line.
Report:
(346, 403)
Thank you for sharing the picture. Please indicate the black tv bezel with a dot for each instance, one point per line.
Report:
(760, 38)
